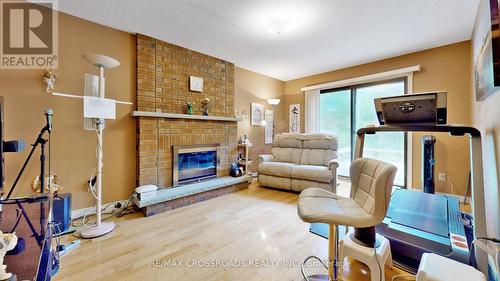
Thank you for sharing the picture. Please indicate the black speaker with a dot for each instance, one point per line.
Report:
(61, 212)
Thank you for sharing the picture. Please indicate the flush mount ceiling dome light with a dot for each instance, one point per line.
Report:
(279, 27)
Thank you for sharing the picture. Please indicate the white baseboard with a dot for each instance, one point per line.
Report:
(78, 213)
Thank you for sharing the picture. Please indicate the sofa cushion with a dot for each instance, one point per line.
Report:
(276, 182)
(290, 155)
(320, 141)
(280, 169)
(300, 185)
(288, 140)
(318, 157)
(310, 172)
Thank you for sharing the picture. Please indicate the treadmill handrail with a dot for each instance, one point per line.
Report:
(476, 166)
(454, 130)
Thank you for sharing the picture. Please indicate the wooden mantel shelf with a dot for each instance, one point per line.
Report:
(183, 116)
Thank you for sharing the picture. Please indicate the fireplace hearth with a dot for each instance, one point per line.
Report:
(194, 163)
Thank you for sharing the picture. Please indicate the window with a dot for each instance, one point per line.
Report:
(343, 111)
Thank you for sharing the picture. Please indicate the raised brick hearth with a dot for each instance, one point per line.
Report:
(163, 72)
(191, 199)
(167, 199)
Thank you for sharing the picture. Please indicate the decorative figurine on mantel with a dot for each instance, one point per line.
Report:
(49, 78)
(206, 105)
(8, 242)
(189, 108)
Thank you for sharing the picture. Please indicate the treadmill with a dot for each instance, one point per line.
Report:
(418, 222)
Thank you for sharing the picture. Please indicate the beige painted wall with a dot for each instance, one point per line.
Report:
(73, 149)
(73, 152)
(486, 117)
(254, 87)
(445, 68)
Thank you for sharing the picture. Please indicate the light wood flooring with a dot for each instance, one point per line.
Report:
(256, 227)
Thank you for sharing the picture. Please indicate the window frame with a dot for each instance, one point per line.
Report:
(353, 89)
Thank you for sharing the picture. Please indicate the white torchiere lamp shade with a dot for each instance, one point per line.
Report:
(273, 102)
(101, 60)
(100, 228)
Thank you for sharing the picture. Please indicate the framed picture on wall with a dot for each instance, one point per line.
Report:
(483, 70)
(269, 130)
(294, 122)
(257, 114)
(487, 62)
(495, 40)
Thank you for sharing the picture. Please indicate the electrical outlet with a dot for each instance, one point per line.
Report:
(442, 176)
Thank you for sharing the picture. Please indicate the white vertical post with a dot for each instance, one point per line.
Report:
(312, 111)
(100, 128)
(477, 198)
(409, 140)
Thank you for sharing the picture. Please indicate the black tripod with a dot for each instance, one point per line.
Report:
(42, 142)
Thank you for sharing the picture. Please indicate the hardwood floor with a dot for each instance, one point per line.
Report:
(256, 226)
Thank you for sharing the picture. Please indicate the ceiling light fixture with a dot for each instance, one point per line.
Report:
(273, 102)
(279, 27)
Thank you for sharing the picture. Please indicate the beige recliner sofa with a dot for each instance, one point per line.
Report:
(300, 161)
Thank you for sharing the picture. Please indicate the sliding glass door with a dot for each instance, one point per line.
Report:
(343, 111)
(335, 119)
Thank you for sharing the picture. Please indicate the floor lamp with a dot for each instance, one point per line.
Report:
(100, 228)
(102, 62)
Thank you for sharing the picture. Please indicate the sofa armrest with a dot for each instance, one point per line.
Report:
(266, 158)
(333, 165)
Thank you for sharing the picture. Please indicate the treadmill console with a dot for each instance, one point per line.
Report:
(415, 109)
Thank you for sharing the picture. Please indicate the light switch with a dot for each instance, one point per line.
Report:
(195, 84)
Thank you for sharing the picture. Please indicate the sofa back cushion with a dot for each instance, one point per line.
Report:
(317, 157)
(286, 154)
(305, 149)
(318, 149)
(320, 141)
(288, 140)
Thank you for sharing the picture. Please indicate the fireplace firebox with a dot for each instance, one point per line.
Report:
(194, 163)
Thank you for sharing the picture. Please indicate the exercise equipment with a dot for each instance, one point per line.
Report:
(420, 222)
(415, 110)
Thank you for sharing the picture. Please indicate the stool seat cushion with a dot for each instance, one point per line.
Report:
(319, 205)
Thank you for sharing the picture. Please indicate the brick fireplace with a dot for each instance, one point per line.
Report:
(163, 72)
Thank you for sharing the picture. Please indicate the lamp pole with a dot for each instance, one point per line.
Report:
(100, 128)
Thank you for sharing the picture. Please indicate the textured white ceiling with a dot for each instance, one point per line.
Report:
(325, 34)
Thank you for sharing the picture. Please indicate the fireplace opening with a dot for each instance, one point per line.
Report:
(194, 163)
